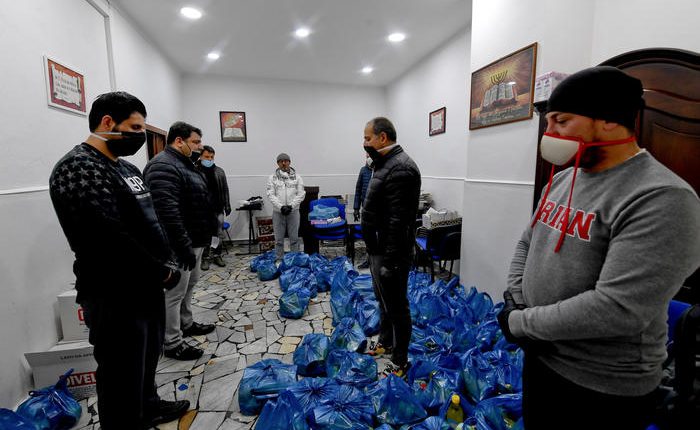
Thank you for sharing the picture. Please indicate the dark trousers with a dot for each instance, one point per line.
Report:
(553, 402)
(394, 313)
(127, 345)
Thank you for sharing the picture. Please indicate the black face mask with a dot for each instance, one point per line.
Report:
(373, 153)
(129, 144)
(194, 156)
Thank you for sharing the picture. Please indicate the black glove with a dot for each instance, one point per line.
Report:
(531, 346)
(356, 215)
(172, 278)
(508, 307)
(286, 210)
(188, 261)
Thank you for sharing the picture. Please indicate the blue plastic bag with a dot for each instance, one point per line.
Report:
(310, 355)
(323, 212)
(430, 343)
(366, 312)
(285, 413)
(500, 413)
(432, 423)
(262, 381)
(52, 407)
(348, 335)
(432, 384)
(10, 420)
(352, 368)
(267, 270)
(349, 409)
(294, 259)
(256, 261)
(398, 405)
(294, 302)
(310, 392)
(489, 374)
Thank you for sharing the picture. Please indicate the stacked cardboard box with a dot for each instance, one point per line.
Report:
(73, 352)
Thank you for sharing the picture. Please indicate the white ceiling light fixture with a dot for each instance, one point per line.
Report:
(213, 56)
(302, 33)
(396, 37)
(367, 70)
(190, 12)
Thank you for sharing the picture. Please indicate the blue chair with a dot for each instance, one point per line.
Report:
(680, 404)
(330, 232)
(438, 244)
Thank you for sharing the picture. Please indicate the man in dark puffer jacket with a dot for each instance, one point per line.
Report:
(181, 197)
(388, 219)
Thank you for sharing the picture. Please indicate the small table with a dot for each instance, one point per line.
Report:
(251, 228)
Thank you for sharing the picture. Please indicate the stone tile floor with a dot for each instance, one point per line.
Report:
(248, 329)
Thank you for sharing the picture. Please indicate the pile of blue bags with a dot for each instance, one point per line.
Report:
(50, 408)
(456, 348)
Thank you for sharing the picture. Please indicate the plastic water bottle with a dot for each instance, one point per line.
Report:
(455, 413)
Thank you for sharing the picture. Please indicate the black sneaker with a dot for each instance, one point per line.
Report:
(204, 265)
(166, 411)
(184, 352)
(376, 349)
(219, 261)
(400, 371)
(197, 329)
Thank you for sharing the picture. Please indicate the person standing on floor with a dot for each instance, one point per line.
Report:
(360, 192)
(388, 229)
(181, 197)
(285, 189)
(218, 190)
(122, 262)
(593, 274)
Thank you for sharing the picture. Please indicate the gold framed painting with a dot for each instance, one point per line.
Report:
(502, 92)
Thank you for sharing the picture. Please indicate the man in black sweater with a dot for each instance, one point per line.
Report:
(122, 262)
(388, 219)
(181, 197)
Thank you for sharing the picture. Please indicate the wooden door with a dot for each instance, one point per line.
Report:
(155, 140)
(669, 124)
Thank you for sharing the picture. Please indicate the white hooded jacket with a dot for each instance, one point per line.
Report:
(285, 188)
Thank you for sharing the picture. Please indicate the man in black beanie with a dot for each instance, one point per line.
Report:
(593, 274)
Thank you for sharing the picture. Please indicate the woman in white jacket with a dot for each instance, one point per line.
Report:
(285, 189)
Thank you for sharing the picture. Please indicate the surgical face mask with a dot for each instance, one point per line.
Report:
(129, 144)
(561, 150)
(207, 163)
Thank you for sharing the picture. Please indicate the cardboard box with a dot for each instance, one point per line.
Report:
(72, 321)
(48, 366)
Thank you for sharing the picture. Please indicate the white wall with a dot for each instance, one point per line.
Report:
(439, 80)
(35, 260)
(319, 125)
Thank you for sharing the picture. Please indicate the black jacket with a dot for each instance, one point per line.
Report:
(107, 214)
(361, 186)
(181, 197)
(218, 187)
(390, 208)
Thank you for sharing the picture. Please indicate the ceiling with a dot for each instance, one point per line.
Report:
(255, 37)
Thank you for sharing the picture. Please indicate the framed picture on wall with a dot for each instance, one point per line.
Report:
(436, 121)
(232, 126)
(65, 86)
(502, 91)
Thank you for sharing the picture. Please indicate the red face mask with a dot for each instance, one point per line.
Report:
(560, 150)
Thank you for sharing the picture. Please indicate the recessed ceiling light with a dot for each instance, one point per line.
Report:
(213, 56)
(302, 32)
(396, 37)
(190, 12)
(367, 70)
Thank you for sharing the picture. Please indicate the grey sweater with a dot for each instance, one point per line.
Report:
(602, 300)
